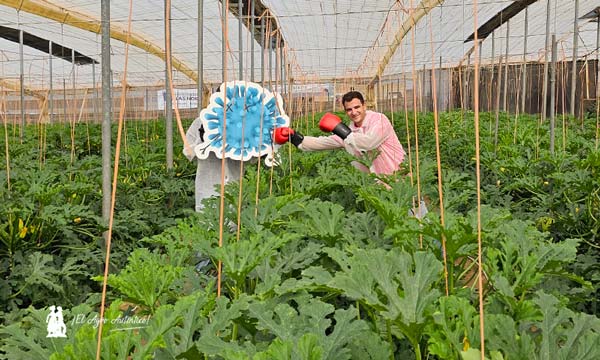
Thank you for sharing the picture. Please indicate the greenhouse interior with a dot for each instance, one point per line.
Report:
(306, 179)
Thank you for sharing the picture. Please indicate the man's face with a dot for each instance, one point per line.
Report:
(356, 111)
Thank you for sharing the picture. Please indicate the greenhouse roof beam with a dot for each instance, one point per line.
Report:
(422, 9)
(260, 10)
(13, 85)
(54, 12)
(468, 54)
(500, 18)
(593, 15)
(43, 45)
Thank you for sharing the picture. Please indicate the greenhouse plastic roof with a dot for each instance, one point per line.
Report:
(324, 39)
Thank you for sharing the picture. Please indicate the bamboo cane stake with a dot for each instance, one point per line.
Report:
(421, 80)
(392, 103)
(546, 52)
(225, 40)
(492, 66)
(314, 104)
(72, 134)
(39, 125)
(467, 77)
(596, 95)
(241, 178)
(126, 132)
(42, 132)
(270, 34)
(169, 96)
(21, 86)
(552, 92)
(3, 113)
(258, 166)
(524, 67)
(574, 58)
(114, 190)
(460, 94)
(478, 176)
(516, 122)
(87, 132)
(278, 75)
(498, 84)
(438, 156)
(409, 152)
(263, 33)
(507, 43)
(564, 79)
(416, 122)
(587, 78)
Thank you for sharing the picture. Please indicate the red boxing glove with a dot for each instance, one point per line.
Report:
(332, 123)
(281, 135)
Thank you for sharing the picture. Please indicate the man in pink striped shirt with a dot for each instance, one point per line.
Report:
(369, 133)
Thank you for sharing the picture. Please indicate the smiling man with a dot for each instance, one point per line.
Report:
(370, 132)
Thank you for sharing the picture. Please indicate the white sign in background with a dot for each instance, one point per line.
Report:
(299, 89)
(186, 99)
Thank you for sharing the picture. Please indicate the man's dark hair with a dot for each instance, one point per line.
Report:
(349, 96)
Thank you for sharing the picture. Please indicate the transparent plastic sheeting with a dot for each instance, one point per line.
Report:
(143, 68)
(448, 25)
(325, 39)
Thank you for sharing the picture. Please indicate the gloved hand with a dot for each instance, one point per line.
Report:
(281, 135)
(332, 123)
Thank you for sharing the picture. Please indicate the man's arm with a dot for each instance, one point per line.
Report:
(369, 141)
(356, 141)
(282, 135)
(312, 143)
